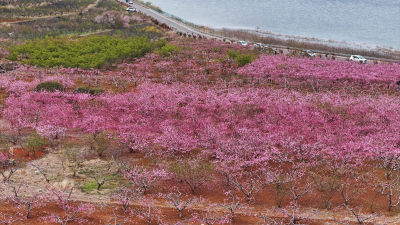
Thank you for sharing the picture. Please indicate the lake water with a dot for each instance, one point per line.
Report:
(366, 22)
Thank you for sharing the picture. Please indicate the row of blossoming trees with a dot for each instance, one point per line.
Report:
(263, 146)
(181, 118)
(254, 136)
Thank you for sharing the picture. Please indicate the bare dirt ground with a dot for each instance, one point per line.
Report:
(60, 172)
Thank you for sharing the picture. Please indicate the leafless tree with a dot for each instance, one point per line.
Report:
(179, 201)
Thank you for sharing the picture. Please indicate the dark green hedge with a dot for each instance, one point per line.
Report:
(50, 86)
(88, 90)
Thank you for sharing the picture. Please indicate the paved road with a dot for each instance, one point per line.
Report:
(172, 23)
(178, 26)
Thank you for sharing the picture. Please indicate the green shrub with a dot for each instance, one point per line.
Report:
(88, 90)
(241, 59)
(91, 185)
(84, 52)
(35, 143)
(168, 49)
(233, 54)
(50, 86)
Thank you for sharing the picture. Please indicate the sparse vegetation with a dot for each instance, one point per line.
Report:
(34, 8)
(78, 24)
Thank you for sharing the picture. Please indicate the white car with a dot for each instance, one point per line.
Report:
(131, 9)
(243, 43)
(261, 46)
(130, 2)
(358, 58)
(310, 53)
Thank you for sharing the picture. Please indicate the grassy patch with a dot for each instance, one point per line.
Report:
(167, 50)
(35, 143)
(241, 59)
(90, 185)
(85, 52)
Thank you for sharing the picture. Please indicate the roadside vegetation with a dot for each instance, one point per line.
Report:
(149, 5)
(249, 36)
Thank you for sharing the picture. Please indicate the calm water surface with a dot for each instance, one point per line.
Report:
(371, 22)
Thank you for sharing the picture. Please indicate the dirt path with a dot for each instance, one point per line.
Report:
(16, 21)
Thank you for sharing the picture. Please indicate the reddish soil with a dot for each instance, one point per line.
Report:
(370, 201)
(22, 154)
(105, 215)
(98, 217)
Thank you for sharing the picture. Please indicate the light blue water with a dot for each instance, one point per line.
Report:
(372, 22)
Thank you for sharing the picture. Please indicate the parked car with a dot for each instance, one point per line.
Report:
(130, 2)
(244, 43)
(264, 46)
(358, 58)
(261, 46)
(131, 9)
(310, 53)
